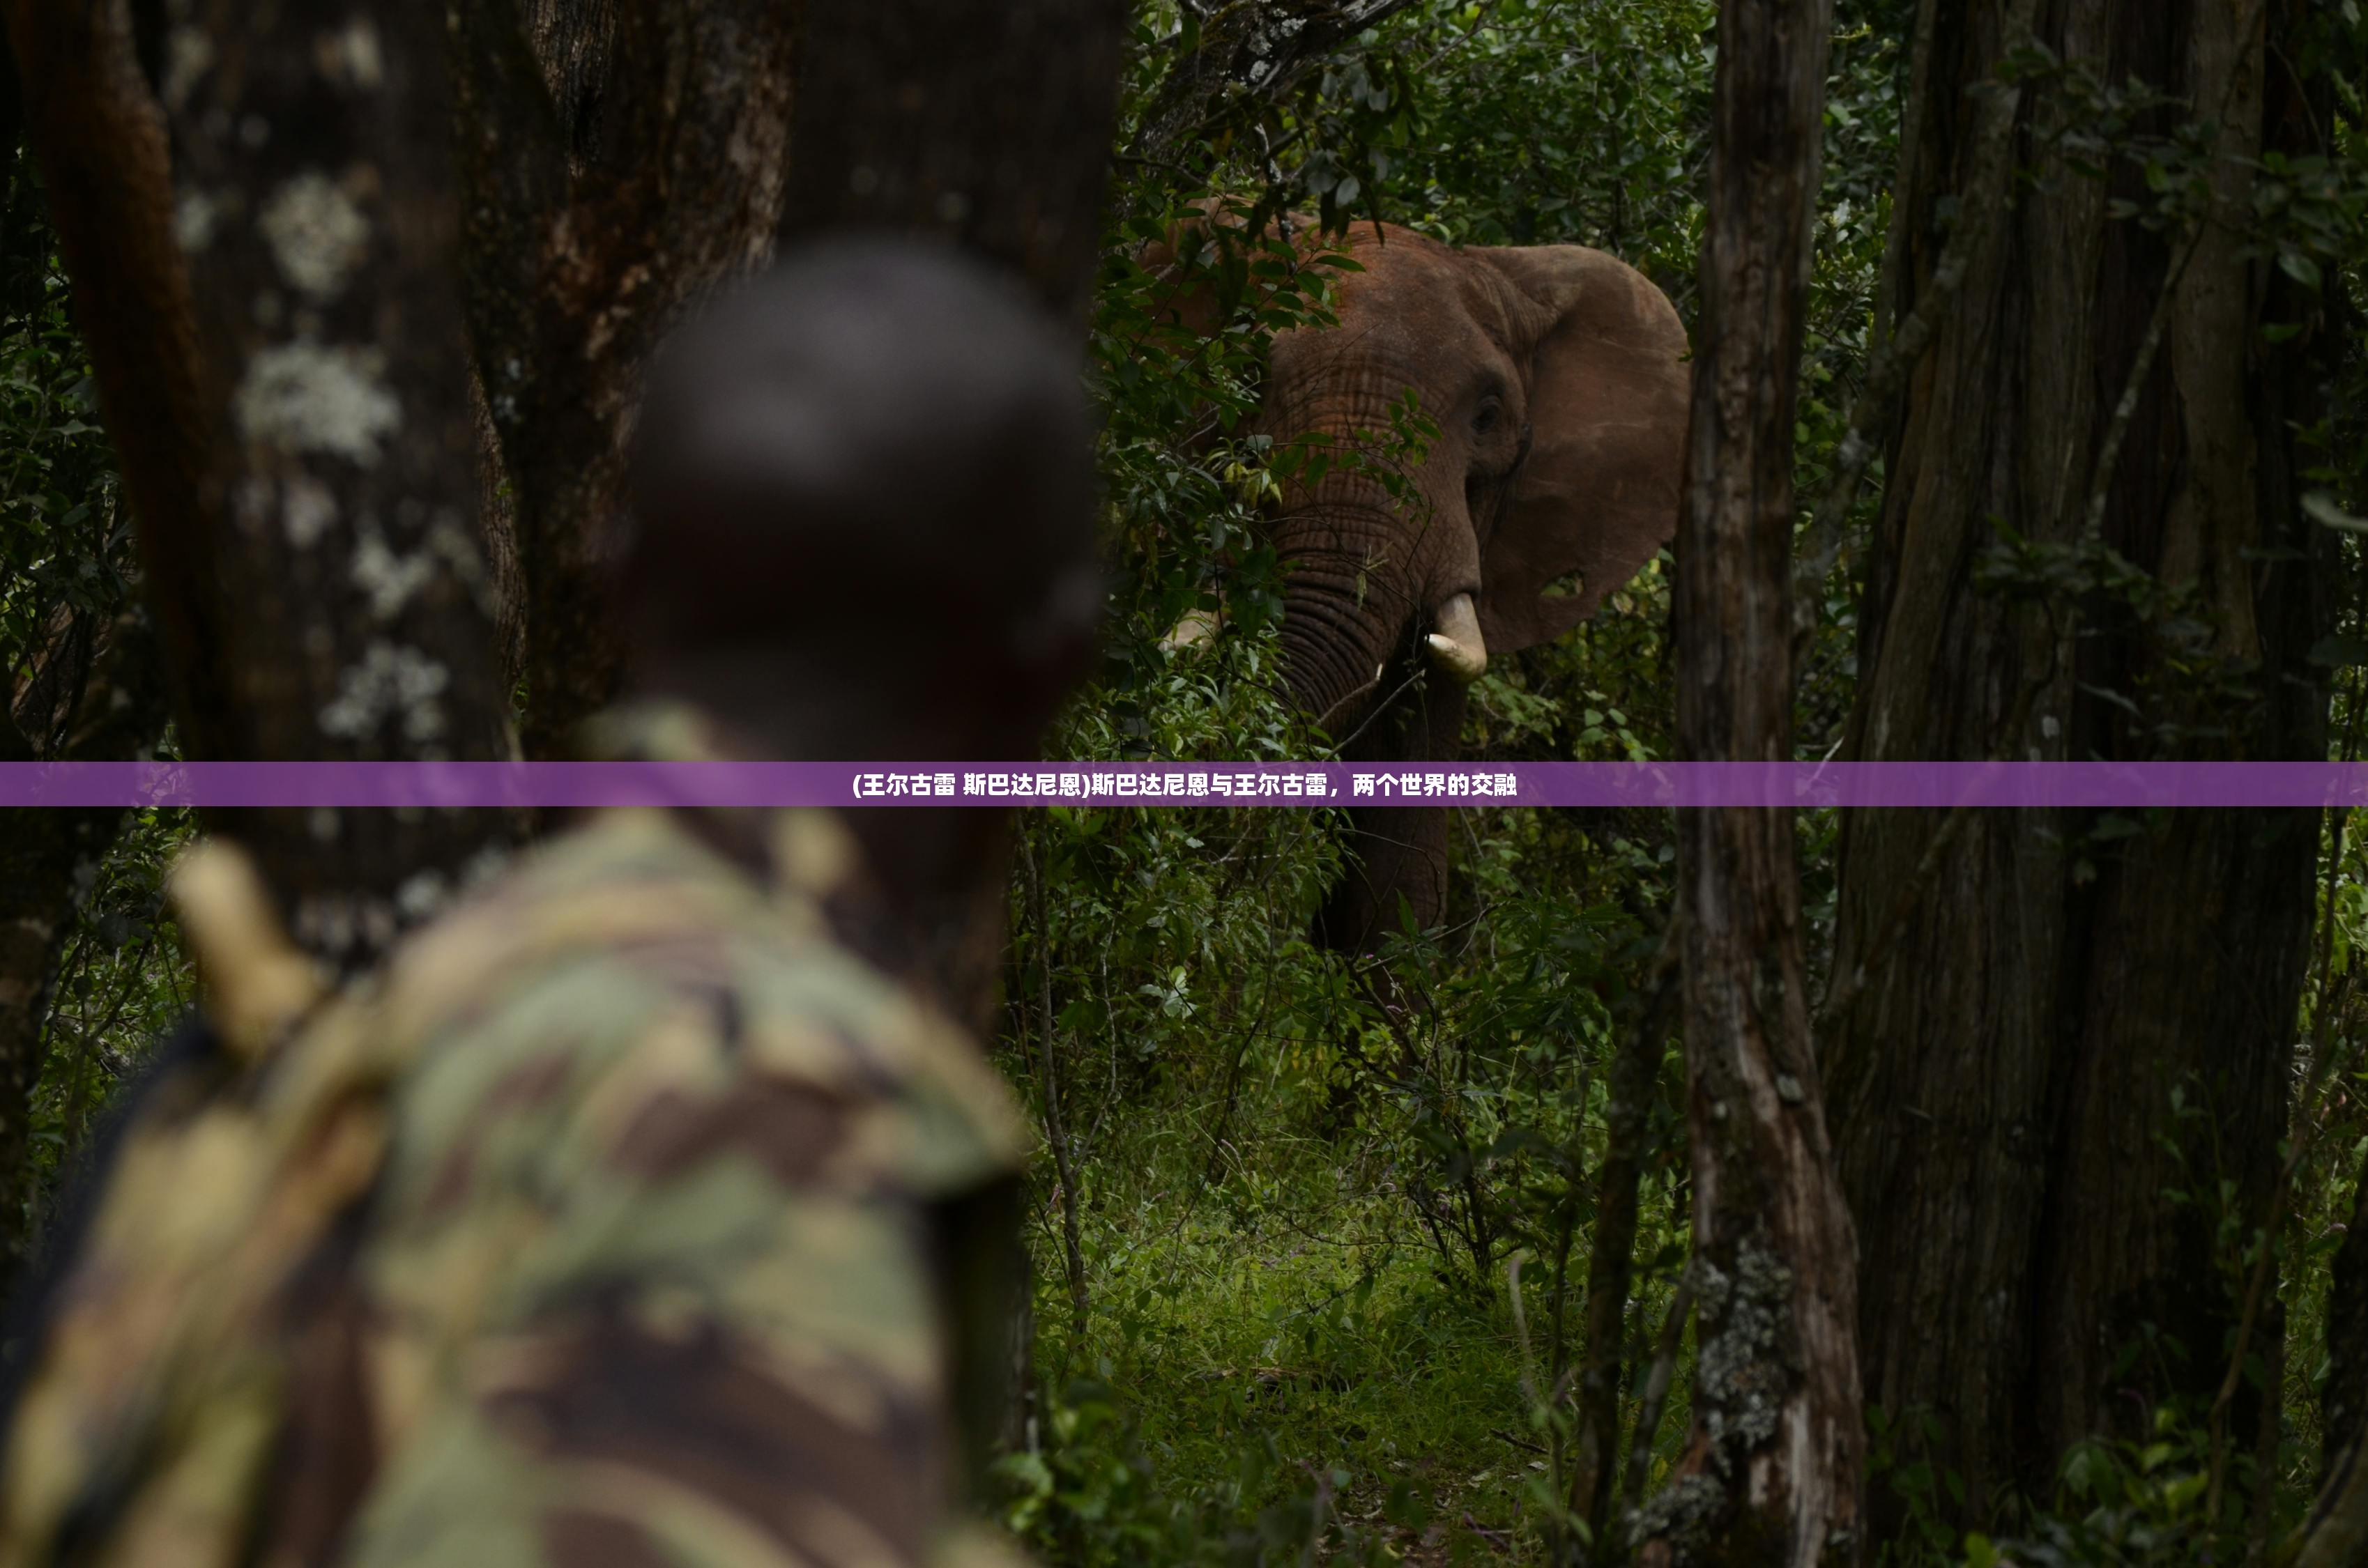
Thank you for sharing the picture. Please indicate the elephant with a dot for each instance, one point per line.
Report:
(1557, 378)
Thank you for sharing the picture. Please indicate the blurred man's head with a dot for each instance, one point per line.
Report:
(864, 490)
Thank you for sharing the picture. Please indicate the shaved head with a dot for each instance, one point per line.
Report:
(876, 459)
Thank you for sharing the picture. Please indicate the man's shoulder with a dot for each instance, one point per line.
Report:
(629, 899)
(629, 977)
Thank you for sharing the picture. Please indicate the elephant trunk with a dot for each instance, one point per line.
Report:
(1336, 646)
(1360, 579)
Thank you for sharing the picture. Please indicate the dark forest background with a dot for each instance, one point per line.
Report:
(1388, 1258)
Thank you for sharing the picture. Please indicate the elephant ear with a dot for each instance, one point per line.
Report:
(1609, 399)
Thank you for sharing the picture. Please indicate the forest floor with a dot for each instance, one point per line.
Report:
(1291, 1342)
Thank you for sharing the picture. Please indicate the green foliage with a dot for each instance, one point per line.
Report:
(1300, 1182)
(65, 541)
(1334, 1219)
(2132, 1504)
(124, 981)
(67, 570)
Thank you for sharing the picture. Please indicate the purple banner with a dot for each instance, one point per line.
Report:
(1926, 785)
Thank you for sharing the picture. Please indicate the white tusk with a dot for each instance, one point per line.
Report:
(1197, 627)
(1457, 647)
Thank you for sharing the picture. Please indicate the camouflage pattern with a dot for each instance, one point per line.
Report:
(607, 1227)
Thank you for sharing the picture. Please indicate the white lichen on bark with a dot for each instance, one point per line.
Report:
(388, 578)
(194, 216)
(188, 53)
(317, 234)
(354, 55)
(307, 509)
(310, 397)
(1680, 1513)
(1746, 1379)
(391, 683)
(1744, 1372)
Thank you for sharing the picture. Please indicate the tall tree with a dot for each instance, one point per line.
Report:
(1773, 1473)
(94, 127)
(619, 161)
(277, 353)
(2059, 1046)
(314, 208)
(989, 128)
(2344, 1397)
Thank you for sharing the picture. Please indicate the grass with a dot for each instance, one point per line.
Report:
(1278, 1357)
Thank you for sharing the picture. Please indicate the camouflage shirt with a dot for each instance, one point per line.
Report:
(620, 1221)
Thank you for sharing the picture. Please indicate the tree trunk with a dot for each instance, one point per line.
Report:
(2343, 1400)
(2336, 1535)
(315, 216)
(571, 42)
(277, 355)
(2097, 1012)
(95, 129)
(1611, 1263)
(1772, 1474)
(618, 163)
(987, 127)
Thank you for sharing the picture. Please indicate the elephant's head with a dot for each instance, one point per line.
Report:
(1557, 380)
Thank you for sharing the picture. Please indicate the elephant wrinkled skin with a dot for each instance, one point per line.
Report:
(1558, 378)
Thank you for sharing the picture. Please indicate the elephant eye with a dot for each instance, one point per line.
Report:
(1491, 413)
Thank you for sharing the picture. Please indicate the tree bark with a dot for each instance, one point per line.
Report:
(93, 126)
(283, 409)
(619, 161)
(2343, 1400)
(2336, 1534)
(314, 215)
(1773, 1472)
(987, 127)
(571, 42)
(1611, 1263)
(2005, 1071)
